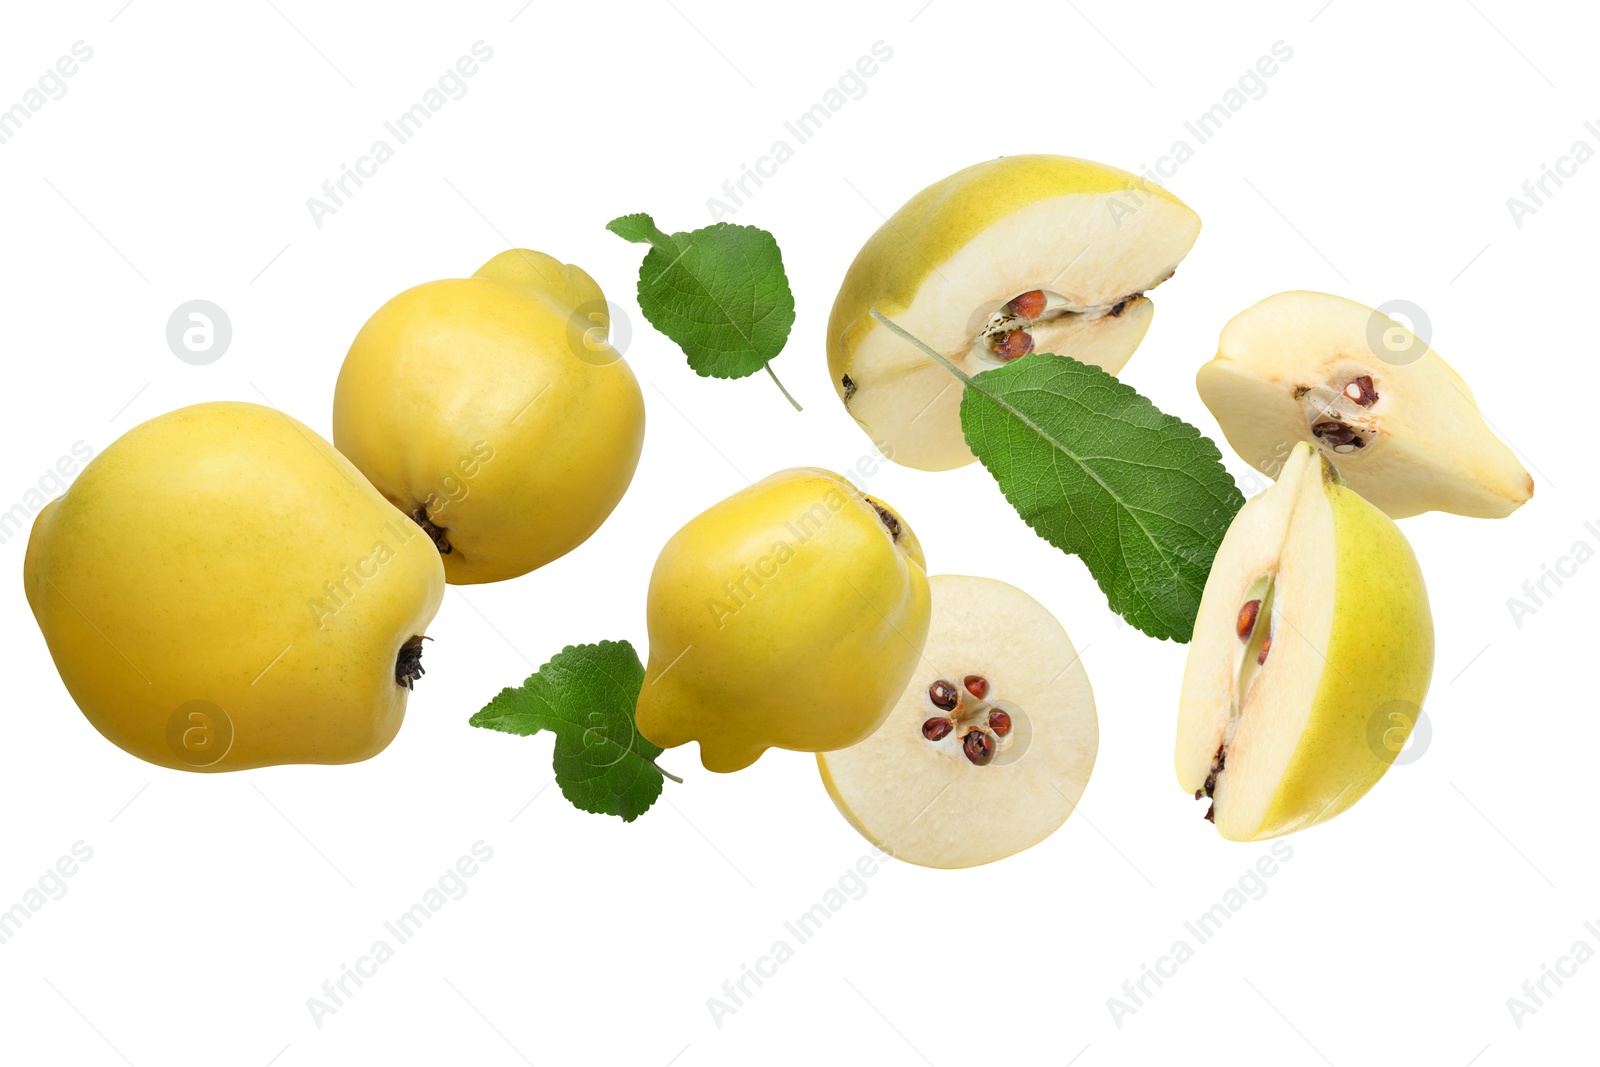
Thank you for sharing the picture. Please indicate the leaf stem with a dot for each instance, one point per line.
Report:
(781, 389)
(904, 335)
(664, 772)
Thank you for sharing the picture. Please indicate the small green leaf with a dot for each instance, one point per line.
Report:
(585, 696)
(1102, 473)
(640, 229)
(720, 293)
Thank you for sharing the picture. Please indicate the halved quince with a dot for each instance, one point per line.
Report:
(1312, 653)
(1014, 255)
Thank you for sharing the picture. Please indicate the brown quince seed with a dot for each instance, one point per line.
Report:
(978, 746)
(1362, 391)
(943, 695)
(1029, 305)
(1013, 344)
(1246, 621)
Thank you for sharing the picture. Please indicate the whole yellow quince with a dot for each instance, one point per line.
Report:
(220, 590)
(494, 411)
(790, 615)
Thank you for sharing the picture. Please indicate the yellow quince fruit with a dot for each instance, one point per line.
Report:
(494, 412)
(220, 590)
(790, 615)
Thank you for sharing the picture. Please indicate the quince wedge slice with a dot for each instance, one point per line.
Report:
(1010, 256)
(1402, 427)
(1312, 654)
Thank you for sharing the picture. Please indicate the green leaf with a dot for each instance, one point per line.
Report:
(719, 292)
(585, 696)
(1100, 472)
(640, 229)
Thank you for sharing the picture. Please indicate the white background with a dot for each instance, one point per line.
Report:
(1376, 165)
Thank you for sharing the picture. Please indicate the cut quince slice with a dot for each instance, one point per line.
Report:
(991, 745)
(1402, 427)
(1312, 653)
(1011, 256)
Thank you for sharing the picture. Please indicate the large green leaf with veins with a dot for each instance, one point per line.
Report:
(1101, 472)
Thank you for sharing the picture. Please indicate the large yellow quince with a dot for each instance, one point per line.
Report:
(220, 589)
(494, 412)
